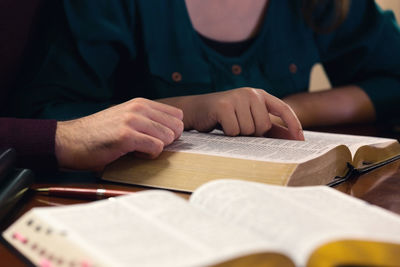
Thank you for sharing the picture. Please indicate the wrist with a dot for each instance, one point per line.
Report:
(186, 104)
(64, 145)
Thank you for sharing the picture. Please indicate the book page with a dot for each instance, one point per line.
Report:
(297, 219)
(353, 142)
(153, 228)
(253, 148)
(268, 149)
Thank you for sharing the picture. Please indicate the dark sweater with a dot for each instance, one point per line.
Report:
(106, 52)
(33, 139)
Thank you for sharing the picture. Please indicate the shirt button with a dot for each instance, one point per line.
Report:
(293, 68)
(176, 77)
(236, 69)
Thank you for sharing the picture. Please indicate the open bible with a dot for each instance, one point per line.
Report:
(224, 223)
(196, 158)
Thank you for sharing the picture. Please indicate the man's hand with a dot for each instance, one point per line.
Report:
(244, 111)
(137, 125)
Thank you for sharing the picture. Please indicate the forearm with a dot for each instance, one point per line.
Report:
(348, 104)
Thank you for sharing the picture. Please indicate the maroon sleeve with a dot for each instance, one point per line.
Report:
(34, 141)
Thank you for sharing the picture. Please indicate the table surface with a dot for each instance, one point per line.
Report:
(380, 187)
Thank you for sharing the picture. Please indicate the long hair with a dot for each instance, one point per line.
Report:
(324, 16)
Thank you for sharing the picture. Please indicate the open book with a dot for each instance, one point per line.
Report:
(200, 157)
(224, 222)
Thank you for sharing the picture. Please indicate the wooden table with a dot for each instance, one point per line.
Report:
(380, 187)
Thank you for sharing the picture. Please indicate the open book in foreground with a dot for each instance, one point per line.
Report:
(200, 157)
(225, 222)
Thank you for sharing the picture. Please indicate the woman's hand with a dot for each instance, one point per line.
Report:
(243, 111)
(137, 125)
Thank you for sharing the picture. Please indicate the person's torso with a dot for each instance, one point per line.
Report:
(173, 60)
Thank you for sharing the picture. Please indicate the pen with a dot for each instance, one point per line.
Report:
(91, 193)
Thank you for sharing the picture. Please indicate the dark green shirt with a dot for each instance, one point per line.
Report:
(104, 52)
